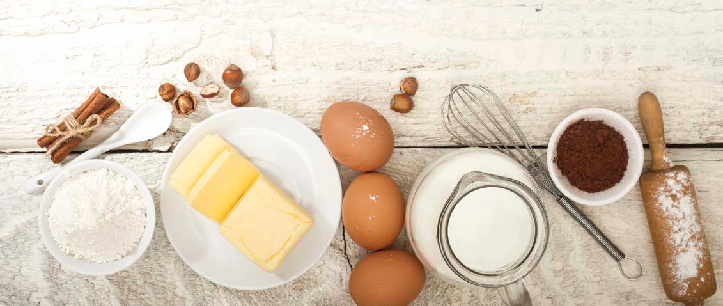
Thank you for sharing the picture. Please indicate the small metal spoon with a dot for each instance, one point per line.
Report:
(146, 123)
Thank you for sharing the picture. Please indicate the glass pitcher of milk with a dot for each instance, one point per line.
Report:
(473, 219)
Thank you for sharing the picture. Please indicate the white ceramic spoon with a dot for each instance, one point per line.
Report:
(147, 122)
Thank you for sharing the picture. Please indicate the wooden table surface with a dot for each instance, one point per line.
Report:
(545, 59)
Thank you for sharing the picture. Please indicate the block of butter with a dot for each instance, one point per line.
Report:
(222, 185)
(195, 164)
(266, 224)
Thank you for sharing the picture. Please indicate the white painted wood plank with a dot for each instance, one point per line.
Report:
(574, 271)
(546, 59)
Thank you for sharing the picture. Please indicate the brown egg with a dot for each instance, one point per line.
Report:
(357, 136)
(373, 210)
(387, 277)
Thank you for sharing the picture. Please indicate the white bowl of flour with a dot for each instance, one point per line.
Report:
(97, 217)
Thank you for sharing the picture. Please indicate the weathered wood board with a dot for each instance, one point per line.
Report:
(574, 270)
(546, 58)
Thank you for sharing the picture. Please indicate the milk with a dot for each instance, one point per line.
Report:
(491, 230)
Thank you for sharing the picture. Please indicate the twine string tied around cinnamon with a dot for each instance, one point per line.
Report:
(74, 129)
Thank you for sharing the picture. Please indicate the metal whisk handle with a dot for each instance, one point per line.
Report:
(591, 228)
(601, 239)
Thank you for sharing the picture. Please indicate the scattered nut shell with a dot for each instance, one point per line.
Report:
(210, 91)
(232, 76)
(185, 103)
(192, 71)
(240, 96)
(402, 103)
(409, 86)
(167, 91)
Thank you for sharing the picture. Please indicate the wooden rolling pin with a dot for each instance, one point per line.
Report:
(673, 216)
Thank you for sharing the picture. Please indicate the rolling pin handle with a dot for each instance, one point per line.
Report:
(651, 116)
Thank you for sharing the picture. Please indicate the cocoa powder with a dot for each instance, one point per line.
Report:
(591, 155)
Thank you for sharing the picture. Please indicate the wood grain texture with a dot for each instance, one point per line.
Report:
(574, 270)
(545, 58)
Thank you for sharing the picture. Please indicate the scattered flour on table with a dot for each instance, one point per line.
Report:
(680, 213)
(98, 215)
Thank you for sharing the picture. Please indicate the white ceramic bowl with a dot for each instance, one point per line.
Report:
(81, 265)
(635, 158)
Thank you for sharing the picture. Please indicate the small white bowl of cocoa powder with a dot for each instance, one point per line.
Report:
(595, 156)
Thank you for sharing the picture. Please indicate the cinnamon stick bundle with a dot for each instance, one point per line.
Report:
(98, 107)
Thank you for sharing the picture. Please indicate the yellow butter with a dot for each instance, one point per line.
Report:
(195, 164)
(222, 185)
(266, 224)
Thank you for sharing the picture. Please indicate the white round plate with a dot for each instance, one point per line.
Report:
(290, 155)
(81, 265)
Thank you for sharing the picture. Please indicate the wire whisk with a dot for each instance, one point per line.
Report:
(475, 116)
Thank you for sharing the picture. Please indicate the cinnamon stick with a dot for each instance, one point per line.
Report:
(62, 152)
(46, 140)
(94, 107)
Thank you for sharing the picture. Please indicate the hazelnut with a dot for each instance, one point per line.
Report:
(240, 96)
(402, 103)
(167, 91)
(210, 91)
(232, 76)
(185, 103)
(409, 86)
(192, 71)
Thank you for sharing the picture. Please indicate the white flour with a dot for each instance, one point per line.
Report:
(98, 215)
(680, 213)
